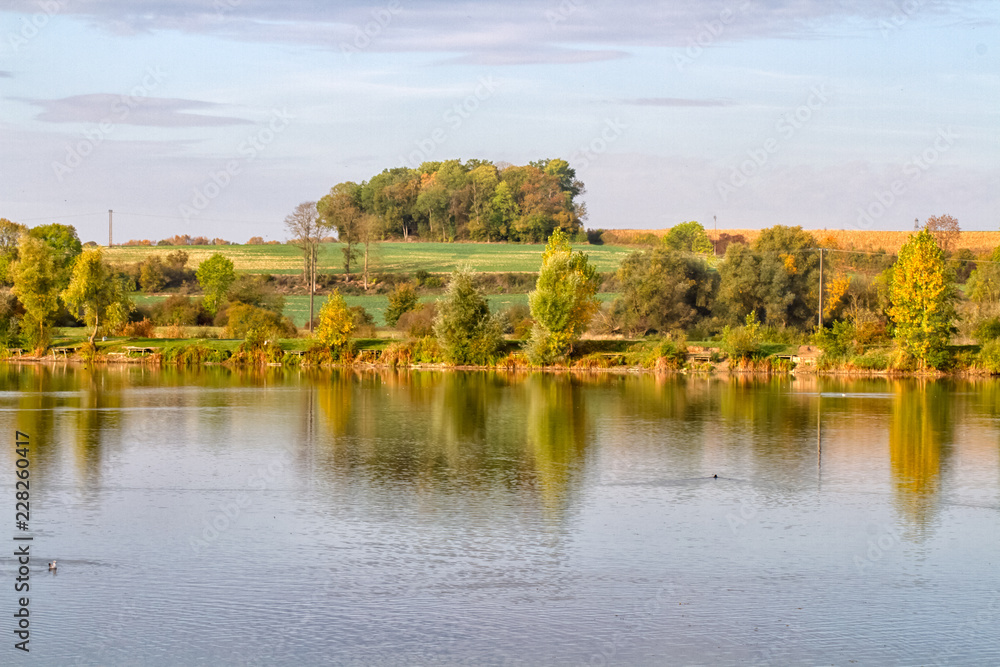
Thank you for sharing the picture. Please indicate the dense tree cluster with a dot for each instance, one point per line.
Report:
(451, 200)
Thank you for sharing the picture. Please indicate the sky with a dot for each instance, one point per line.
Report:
(217, 117)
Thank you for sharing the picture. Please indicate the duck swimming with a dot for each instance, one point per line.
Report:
(52, 565)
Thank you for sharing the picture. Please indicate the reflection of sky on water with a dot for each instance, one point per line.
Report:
(506, 519)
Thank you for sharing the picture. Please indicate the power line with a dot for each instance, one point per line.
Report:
(62, 217)
(148, 215)
(198, 219)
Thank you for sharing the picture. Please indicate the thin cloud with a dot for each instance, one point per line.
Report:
(534, 57)
(678, 102)
(6, 75)
(477, 32)
(125, 110)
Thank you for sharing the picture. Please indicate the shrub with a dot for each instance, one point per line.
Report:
(465, 329)
(180, 311)
(516, 320)
(873, 360)
(364, 323)
(151, 278)
(986, 330)
(192, 355)
(989, 356)
(743, 343)
(141, 329)
(256, 290)
(427, 351)
(243, 318)
(420, 322)
(257, 348)
(402, 300)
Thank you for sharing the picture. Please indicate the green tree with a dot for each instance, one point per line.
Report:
(65, 245)
(10, 234)
(401, 300)
(215, 275)
(98, 293)
(336, 324)
(151, 278)
(36, 285)
(922, 296)
(984, 281)
(465, 329)
(778, 279)
(341, 210)
(663, 290)
(688, 237)
(563, 302)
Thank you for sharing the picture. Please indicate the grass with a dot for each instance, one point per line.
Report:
(389, 257)
(297, 305)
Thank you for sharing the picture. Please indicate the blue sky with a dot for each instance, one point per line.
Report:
(217, 117)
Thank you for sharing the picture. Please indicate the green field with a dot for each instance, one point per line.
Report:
(389, 257)
(297, 305)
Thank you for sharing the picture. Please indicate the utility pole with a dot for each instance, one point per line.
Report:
(312, 283)
(715, 241)
(110, 212)
(821, 288)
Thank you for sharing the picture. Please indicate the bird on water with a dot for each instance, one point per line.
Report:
(52, 565)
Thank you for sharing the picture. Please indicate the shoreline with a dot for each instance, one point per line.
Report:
(720, 369)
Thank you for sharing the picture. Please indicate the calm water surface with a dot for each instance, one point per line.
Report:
(376, 518)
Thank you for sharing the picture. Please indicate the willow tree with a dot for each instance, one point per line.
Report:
(564, 300)
(100, 295)
(922, 296)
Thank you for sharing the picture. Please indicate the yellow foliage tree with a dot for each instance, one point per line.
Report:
(336, 324)
(922, 294)
(835, 291)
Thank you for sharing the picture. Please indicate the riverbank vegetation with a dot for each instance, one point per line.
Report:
(788, 298)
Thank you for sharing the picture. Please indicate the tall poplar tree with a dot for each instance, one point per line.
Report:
(922, 295)
(563, 302)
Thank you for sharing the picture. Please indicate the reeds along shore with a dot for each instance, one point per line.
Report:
(423, 355)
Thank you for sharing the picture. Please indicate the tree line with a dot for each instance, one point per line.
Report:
(771, 288)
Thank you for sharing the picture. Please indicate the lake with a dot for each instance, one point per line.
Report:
(286, 517)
